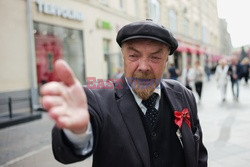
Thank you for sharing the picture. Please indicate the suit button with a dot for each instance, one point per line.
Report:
(153, 134)
(156, 155)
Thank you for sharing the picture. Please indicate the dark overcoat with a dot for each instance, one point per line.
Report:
(119, 135)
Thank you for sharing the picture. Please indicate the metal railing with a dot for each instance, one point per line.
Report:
(11, 101)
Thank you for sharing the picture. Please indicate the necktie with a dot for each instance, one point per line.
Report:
(151, 113)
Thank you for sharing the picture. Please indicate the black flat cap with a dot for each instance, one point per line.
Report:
(147, 29)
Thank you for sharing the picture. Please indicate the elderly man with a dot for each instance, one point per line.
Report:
(143, 121)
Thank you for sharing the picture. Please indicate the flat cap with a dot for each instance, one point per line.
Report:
(146, 29)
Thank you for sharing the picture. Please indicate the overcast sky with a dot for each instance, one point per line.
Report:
(237, 15)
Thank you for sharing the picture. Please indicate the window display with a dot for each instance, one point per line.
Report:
(54, 42)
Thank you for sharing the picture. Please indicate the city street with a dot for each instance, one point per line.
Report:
(226, 126)
(225, 131)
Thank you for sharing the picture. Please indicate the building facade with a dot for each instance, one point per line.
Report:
(225, 39)
(35, 33)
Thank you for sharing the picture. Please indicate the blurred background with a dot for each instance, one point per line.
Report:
(35, 33)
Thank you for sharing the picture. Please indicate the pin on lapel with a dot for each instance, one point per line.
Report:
(181, 116)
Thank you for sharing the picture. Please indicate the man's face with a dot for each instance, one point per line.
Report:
(144, 64)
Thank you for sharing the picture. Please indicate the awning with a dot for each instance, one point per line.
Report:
(181, 49)
(200, 51)
(190, 50)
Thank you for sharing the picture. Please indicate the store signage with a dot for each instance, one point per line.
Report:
(103, 24)
(59, 11)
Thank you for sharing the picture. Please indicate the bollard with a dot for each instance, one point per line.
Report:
(31, 107)
(10, 107)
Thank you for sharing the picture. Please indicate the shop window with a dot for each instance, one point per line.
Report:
(186, 26)
(107, 56)
(53, 43)
(114, 61)
(196, 31)
(121, 2)
(154, 10)
(172, 20)
(104, 1)
(204, 35)
(136, 8)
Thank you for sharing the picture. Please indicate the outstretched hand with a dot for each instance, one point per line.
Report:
(66, 101)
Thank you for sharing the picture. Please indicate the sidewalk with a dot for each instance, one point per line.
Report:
(225, 129)
(43, 158)
(29, 145)
(226, 126)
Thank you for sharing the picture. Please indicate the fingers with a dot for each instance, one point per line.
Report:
(64, 72)
(77, 124)
(63, 119)
(56, 112)
(64, 122)
(52, 95)
(49, 102)
(52, 88)
(66, 101)
(60, 116)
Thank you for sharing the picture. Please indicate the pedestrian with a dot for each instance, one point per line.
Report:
(142, 121)
(173, 72)
(235, 72)
(207, 71)
(222, 77)
(198, 79)
(245, 69)
(187, 77)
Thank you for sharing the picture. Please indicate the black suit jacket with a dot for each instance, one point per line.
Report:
(119, 136)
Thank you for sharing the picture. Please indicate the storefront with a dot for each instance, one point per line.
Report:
(55, 41)
(188, 54)
(81, 32)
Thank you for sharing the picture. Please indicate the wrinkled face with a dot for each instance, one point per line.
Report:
(144, 64)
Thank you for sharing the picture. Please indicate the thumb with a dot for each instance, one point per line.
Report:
(64, 72)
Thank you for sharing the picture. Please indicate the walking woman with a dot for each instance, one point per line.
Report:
(222, 78)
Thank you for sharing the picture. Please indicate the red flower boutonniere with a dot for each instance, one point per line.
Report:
(181, 116)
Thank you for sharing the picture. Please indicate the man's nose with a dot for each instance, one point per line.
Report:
(144, 65)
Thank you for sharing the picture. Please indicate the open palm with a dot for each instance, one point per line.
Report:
(66, 101)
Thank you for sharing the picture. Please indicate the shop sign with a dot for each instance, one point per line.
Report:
(103, 24)
(51, 9)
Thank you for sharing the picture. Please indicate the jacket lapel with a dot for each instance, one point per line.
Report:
(128, 108)
(178, 103)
